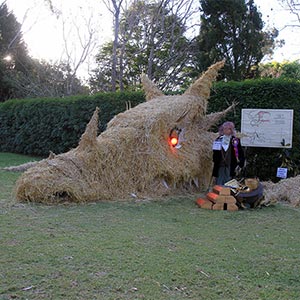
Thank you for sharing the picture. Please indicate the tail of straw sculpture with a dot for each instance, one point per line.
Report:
(133, 156)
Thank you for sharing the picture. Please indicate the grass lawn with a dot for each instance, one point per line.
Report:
(162, 249)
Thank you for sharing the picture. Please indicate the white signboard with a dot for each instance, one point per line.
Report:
(272, 128)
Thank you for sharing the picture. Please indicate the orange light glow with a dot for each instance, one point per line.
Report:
(174, 141)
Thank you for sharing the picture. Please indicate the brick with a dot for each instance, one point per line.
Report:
(212, 197)
(225, 206)
(232, 207)
(217, 189)
(207, 205)
(225, 191)
(220, 199)
(200, 201)
(204, 203)
(226, 199)
(221, 190)
(218, 206)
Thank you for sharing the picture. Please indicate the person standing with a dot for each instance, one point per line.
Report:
(228, 155)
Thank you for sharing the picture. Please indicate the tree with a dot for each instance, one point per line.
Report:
(78, 37)
(13, 51)
(21, 76)
(232, 30)
(44, 80)
(152, 39)
(114, 6)
(285, 69)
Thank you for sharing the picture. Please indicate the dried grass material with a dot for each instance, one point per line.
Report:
(26, 166)
(133, 156)
(203, 85)
(20, 168)
(286, 190)
(150, 88)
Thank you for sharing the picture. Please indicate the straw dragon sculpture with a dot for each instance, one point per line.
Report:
(133, 157)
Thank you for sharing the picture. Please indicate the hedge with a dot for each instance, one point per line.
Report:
(36, 126)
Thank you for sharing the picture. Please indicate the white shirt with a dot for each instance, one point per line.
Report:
(226, 141)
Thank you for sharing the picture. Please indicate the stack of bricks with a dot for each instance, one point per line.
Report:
(219, 199)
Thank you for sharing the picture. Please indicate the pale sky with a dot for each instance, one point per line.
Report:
(42, 31)
(275, 16)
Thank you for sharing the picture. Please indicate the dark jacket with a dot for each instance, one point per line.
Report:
(217, 157)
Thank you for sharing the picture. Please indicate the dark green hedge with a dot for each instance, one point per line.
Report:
(37, 126)
(269, 94)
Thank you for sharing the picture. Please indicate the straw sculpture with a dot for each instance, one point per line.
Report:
(286, 190)
(134, 157)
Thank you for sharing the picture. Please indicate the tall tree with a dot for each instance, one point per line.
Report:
(115, 7)
(232, 30)
(13, 51)
(21, 76)
(44, 80)
(152, 39)
(79, 39)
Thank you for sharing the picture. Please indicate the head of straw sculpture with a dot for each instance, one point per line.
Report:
(160, 147)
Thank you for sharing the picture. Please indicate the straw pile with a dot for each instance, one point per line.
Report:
(133, 156)
(286, 190)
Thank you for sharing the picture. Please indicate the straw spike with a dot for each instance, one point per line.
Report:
(89, 137)
(201, 87)
(151, 90)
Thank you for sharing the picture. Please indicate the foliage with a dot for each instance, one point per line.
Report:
(37, 126)
(45, 80)
(24, 77)
(284, 69)
(13, 51)
(151, 40)
(232, 30)
(159, 249)
(264, 93)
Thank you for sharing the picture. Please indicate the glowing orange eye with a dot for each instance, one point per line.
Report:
(174, 141)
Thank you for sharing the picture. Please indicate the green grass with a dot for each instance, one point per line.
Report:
(163, 249)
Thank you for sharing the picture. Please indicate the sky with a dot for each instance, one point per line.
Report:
(43, 35)
(274, 15)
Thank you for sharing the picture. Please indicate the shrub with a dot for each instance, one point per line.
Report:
(37, 126)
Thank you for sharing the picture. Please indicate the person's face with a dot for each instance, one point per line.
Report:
(227, 130)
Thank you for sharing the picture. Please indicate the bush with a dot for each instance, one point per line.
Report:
(37, 126)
